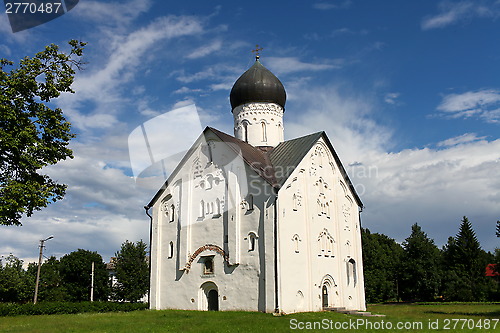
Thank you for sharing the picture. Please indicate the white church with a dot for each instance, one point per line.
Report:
(256, 223)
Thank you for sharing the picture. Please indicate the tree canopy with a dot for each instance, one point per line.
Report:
(420, 267)
(75, 270)
(381, 265)
(32, 135)
(465, 264)
(132, 272)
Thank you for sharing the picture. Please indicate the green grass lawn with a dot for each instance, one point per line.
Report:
(193, 321)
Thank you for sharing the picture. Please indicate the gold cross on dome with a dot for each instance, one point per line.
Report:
(257, 51)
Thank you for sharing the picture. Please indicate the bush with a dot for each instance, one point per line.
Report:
(48, 308)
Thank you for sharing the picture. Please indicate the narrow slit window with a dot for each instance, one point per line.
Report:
(170, 250)
(202, 209)
(172, 213)
(245, 131)
(250, 202)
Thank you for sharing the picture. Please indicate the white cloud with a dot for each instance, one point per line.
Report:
(220, 75)
(483, 104)
(205, 50)
(111, 13)
(285, 65)
(186, 90)
(5, 49)
(102, 83)
(21, 37)
(461, 139)
(434, 187)
(201, 75)
(330, 5)
(391, 98)
(453, 12)
(102, 208)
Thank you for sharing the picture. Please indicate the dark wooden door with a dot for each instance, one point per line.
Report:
(213, 300)
(325, 296)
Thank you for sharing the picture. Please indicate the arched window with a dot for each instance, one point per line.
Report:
(170, 250)
(252, 241)
(264, 132)
(217, 206)
(251, 246)
(294, 198)
(172, 213)
(245, 130)
(351, 272)
(280, 132)
(296, 240)
(202, 209)
(250, 201)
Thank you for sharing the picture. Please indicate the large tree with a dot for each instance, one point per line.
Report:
(75, 269)
(381, 264)
(132, 272)
(420, 267)
(465, 263)
(51, 286)
(15, 284)
(32, 135)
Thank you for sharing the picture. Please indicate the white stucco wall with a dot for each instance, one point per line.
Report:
(314, 203)
(263, 123)
(244, 279)
(319, 233)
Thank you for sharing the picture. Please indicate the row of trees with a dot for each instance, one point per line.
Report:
(417, 270)
(69, 278)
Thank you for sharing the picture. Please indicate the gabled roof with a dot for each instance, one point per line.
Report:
(286, 156)
(254, 157)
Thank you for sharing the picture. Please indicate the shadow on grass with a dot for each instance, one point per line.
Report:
(490, 314)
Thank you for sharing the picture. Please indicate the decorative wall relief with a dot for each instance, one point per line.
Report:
(296, 240)
(325, 244)
(346, 212)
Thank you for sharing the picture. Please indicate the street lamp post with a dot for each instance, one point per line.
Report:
(39, 266)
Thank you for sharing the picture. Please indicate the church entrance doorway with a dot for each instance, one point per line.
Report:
(208, 297)
(324, 296)
(329, 292)
(213, 300)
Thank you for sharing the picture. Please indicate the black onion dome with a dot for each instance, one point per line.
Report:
(257, 84)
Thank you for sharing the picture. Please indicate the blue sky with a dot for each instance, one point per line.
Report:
(407, 91)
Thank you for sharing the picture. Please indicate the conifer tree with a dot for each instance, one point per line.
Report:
(381, 264)
(421, 273)
(132, 272)
(465, 264)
